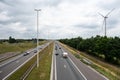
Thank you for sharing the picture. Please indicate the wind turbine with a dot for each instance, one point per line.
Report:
(105, 18)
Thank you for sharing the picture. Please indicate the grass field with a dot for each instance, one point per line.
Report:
(110, 71)
(17, 47)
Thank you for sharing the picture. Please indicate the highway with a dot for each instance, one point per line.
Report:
(10, 66)
(71, 68)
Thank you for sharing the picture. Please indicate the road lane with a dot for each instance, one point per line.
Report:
(71, 68)
(11, 66)
(65, 70)
(89, 73)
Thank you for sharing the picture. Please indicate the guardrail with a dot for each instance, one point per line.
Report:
(26, 74)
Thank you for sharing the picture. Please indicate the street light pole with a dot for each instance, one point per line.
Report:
(37, 10)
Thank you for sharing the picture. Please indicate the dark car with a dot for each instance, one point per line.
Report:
(35, 51)
(56, 54)
(56, 48)
(40, 48)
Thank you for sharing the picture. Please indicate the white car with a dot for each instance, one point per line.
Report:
(26, 53)
(65, 54)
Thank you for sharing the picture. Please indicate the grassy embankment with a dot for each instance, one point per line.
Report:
(110, 71)
(36, 72)
(17, 47)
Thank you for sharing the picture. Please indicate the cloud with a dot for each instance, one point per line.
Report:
(4, 16)
(58, 18)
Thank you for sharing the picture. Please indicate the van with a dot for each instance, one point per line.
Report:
(65, 54)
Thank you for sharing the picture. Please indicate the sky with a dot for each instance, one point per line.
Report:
(58, 18)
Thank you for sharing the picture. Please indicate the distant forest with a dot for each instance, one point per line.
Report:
(106, 48)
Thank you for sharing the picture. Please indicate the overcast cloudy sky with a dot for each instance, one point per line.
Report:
(58, 18)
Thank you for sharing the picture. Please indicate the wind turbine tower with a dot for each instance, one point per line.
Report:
(105, 18)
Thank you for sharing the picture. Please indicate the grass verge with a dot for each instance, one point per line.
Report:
(110, 71)
(43, 72)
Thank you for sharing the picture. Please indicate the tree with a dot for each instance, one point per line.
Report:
(106, 48)
(11, 40)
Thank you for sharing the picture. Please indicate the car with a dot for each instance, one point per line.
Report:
(56, 48)
(40, 48)
(56, 54)
(59, 47)
(35, 51)
(26, 53)
(65, 54)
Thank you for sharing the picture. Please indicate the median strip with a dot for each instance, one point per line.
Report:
(44, 69)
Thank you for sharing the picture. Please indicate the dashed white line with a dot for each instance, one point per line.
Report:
(64, 66)
(0, 71)
(8, 61)
(17, 61)
(77, 69)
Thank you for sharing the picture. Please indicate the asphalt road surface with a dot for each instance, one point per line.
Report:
(71, 68)
(10, 66)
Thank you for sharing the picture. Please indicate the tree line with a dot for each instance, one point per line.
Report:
(13, 40)
(106, 48)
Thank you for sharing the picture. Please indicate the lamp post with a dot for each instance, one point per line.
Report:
(37, 10)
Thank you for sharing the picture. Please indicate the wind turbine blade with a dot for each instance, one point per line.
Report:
(101, 14)
(110, 12)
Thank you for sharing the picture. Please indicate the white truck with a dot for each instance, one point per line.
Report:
(65, 54)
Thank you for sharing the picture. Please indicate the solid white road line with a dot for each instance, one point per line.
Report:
(77, 69)
(98, 73)
(18, 67)
(55, 69)
(51, 74)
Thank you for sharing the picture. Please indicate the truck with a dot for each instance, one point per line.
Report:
(65, 54)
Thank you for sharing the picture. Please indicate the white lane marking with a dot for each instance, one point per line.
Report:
(77, 69)
(98, 73)
(64, 66)
(0, 71)
(10, 60)
(55, 69)
(51, 74)
(17, 61)
(18, 67)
